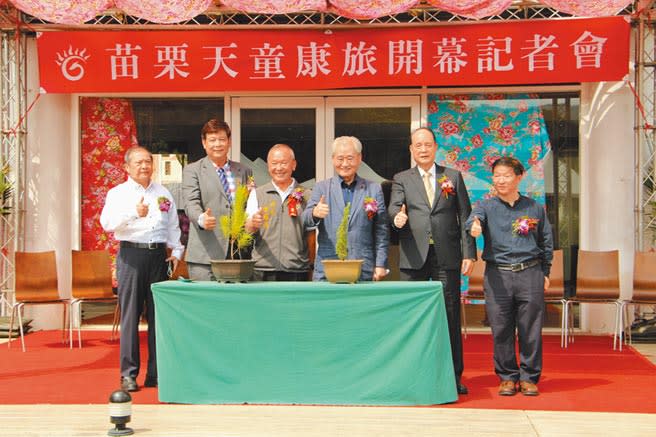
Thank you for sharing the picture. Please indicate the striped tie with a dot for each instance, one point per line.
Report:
(224, 182)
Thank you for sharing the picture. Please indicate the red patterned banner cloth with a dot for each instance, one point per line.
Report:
(522, 52)
(108, 130)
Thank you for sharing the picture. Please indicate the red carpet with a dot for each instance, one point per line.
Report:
(589, 376)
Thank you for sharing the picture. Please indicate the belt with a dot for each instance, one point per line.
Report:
(149, 246)
(519, 266)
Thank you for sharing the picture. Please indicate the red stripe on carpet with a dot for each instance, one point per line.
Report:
(588, 376)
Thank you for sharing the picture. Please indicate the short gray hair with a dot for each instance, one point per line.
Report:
(427, 129)
(345, 140)
(134, 149)
(281, 146)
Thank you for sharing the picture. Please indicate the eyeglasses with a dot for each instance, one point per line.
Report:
(341, 159)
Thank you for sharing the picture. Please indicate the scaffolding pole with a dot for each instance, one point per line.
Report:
(13, 97)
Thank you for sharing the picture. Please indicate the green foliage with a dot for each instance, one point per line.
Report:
(238, 219)
(245, 239)
(341, 246)
(5, 188)
(233, 225)
(224, 221)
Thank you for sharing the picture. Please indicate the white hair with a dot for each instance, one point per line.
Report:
(345, 140)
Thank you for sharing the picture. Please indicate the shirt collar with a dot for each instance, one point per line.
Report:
(431, 171)
(289, 188)
(519, 200)
(225, 166)
(350, 186)
(136, 185)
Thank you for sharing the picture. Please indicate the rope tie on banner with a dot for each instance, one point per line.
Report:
(22, 117)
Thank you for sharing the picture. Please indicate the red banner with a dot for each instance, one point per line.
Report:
(489, 53)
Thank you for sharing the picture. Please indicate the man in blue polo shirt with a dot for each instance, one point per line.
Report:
(518, 251)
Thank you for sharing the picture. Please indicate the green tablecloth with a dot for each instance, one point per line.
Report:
(382, 343)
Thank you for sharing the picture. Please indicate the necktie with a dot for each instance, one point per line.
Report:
(430, 190)
(224, 182)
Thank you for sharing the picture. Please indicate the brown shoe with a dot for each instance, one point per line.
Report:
(528, 388)
(507, 388)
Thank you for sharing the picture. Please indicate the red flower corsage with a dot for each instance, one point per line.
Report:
(164, 203)
(524, 225)
(446, 186)
(371, 207)
(294, 199)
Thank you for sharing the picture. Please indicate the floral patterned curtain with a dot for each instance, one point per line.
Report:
(164, 11)
(583, 8)
(275, 6)
(108, 130)
(63, 12)
(174, 11)
(472, 8)
(473, 131)
(365, 9)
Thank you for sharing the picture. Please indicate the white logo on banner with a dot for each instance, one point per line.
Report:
(71, 63)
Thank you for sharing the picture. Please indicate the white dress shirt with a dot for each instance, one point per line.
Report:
(252, 204)
(431, 172)
(119, 215)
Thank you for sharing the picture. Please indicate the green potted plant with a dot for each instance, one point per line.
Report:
(342, 270)
(233, 227)
(5, 189)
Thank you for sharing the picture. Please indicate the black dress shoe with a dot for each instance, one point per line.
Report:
(151, 381)
(129, 384)
(462, 390)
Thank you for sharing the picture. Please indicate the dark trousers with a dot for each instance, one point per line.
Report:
(265, 275)
(515, 301)
(451, 285)
(136, 270)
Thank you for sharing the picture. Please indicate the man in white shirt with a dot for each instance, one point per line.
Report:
(143, 217)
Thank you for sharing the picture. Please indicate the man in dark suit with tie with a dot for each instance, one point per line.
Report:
(208, 187)
(429, 205)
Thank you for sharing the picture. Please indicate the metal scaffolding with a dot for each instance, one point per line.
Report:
(13, 131)
(645, 128)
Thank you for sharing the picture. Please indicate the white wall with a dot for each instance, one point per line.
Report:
(607, 185)
(49, 182)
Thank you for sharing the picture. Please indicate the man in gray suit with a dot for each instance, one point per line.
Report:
(368, 232)
(208, 187)
(429, 205)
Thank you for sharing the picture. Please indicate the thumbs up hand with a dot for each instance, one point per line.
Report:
(209, 221)
(401, 218)
(321, 210)
(476, 228)
(142, 208)
(255, 221)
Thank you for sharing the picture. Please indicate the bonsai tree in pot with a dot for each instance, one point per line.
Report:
(342, 270)
(233, 227)
(341, 245)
